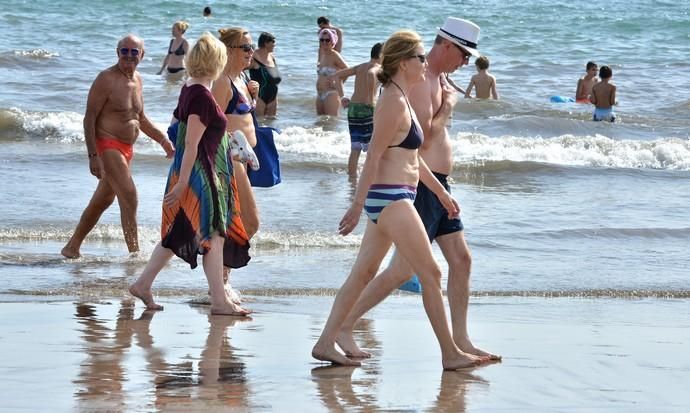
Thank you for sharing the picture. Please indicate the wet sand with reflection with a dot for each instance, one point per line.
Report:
(559, 355)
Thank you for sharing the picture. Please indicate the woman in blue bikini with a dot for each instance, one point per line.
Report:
(236, 95)
(386, 191)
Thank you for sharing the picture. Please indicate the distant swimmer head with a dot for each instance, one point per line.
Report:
(207, 11)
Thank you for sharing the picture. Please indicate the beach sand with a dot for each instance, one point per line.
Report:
(560, 355)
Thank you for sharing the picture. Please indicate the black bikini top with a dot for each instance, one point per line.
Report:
(415, 136)
(179, 51)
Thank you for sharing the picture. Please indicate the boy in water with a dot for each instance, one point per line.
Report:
(604, 96)
(483, 81)
(360, 111)
(585, 84)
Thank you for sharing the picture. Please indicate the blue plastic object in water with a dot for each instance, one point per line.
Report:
(561, 99)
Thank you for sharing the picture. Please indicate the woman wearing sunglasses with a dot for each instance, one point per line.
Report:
(328, 91)
(197, 211)
(236, 95)
(386, 191)
(174, 60)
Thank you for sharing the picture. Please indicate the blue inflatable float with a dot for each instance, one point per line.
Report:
(561, 99)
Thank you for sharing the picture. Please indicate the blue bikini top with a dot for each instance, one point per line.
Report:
(238, 105)
(415, 136)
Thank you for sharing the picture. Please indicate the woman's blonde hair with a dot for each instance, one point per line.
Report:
(232, 36)
(207, 58)
(400, 46)
(181, 25)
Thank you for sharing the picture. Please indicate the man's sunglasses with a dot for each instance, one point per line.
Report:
(465, 55)
(124, 51)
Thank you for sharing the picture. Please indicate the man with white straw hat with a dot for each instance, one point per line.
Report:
(433, 101)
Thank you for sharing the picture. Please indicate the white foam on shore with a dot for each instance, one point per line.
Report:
(324, 147)
(64, 127)
(569, 150)
(151, 235)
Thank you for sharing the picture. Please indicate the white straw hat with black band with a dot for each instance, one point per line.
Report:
(462, 32)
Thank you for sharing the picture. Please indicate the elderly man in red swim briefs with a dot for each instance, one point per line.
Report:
(114, 116)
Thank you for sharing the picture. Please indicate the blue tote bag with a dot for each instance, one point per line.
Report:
(268, 174)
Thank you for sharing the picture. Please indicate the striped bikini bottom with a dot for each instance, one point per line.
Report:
(381, 195)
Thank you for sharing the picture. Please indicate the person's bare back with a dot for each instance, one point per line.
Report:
(365, 83)
(604, 95)
(483, 84)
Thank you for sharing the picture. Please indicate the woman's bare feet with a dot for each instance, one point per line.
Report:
(69, 252)
(230, 309)
(329, 353)
(460, 360)
(466, 346)
(146, 297)
(349, 346)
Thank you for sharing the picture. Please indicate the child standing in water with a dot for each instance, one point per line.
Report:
(604, 96)
(483, 81)
(585, 84)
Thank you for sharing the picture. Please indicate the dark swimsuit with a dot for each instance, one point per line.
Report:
(414, 137)
(238, 105)
(382, 195)
(178, 52)
(268, 78)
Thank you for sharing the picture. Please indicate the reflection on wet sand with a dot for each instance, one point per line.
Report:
(222, 375)
(453, 390)
(219, 380)
(340, 393)
(364, 333)
(335, 388)
(101, 378)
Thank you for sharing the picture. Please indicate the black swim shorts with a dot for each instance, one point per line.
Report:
(433, 214)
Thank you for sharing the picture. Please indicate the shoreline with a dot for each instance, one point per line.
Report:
(559, 355)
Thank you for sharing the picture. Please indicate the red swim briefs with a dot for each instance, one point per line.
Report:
(105, 143)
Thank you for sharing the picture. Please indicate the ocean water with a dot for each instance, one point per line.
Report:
(553, 204)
